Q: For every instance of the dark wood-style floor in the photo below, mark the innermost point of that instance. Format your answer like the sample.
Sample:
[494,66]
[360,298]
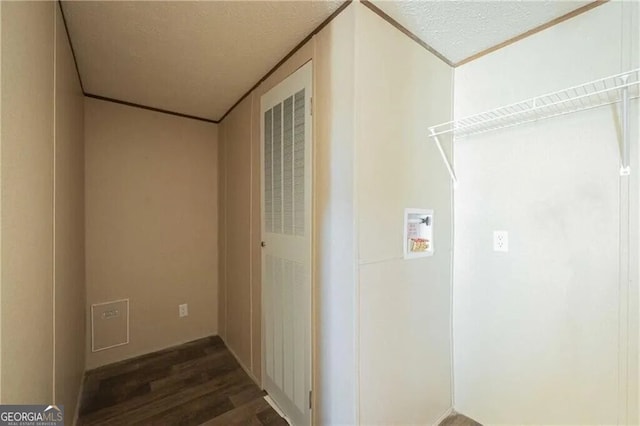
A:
[191,384]
[459,420]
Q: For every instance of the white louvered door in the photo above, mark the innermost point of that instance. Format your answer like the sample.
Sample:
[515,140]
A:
[286,235]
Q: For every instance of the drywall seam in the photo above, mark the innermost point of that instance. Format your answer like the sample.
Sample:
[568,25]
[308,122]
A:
[0,201]
[222,176]
[226,238]
[251,233]
[623,300]
[53,204]
[363,262]
[76,414]
[314,240]
[256,105]
[624,292]
[452,252]
[354,189]
[634,50]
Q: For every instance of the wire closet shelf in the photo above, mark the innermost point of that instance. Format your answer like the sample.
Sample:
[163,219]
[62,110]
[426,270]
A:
[604,91]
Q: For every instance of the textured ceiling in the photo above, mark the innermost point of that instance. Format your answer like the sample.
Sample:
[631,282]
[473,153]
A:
[199,57]
[459,29]
[195,58]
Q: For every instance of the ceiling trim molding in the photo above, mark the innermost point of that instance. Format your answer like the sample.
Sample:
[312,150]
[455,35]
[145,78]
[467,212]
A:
[73,52]
[324,23]
[369,5]
[533,31]
[149,108]
[119,101]
[405,31]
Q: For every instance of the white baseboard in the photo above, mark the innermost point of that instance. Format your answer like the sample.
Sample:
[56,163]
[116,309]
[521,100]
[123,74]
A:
[444,415]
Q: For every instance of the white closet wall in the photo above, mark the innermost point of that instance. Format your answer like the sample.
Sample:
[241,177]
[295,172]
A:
[404,305]
[547,333]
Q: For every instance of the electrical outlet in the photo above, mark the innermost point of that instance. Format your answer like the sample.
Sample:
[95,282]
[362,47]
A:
[500,241]
[183,310]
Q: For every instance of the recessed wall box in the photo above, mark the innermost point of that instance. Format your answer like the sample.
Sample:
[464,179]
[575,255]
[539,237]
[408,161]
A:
[418,233]
[109,324]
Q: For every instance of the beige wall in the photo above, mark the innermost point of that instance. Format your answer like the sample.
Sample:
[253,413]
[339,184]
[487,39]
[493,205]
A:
[239,134]
[1,138]
[240,291]
[69,278]
[235,132]
[222,234]
[42,281]
[240,189]
[554,316]
[404,305]
[335,245]
[151,224]
[27,208]
[355,134]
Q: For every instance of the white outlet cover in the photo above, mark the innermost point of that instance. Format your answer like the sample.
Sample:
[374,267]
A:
[501,241]
[183,310]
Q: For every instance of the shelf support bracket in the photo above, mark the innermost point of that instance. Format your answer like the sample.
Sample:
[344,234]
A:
[625,168]
[444,158]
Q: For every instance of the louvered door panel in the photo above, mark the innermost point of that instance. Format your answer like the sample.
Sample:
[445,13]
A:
[284,166]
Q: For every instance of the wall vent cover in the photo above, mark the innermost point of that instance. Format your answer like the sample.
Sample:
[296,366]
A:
[109,324]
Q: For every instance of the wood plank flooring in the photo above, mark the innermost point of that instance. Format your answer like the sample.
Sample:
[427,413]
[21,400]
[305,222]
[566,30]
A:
[192,384]
[459,420]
